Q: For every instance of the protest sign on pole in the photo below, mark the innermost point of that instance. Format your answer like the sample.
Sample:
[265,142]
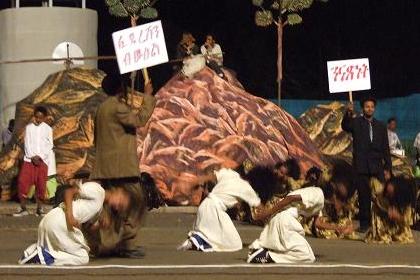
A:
[140,47]
[348,75]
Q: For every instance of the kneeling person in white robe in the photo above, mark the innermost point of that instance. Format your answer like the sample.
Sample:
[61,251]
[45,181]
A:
[213,229]
[60,240]
[283,237]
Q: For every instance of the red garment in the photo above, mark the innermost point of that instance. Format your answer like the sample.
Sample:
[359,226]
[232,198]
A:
[31,174]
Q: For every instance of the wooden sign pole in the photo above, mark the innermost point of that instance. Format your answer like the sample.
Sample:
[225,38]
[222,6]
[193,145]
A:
[351,96]
[145,76]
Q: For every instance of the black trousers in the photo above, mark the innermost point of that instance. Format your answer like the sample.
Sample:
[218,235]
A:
[215,67]
[365,196]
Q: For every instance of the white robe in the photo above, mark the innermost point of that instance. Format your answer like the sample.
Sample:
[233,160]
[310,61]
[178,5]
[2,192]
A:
[284,236]
[212,223]
[69,247]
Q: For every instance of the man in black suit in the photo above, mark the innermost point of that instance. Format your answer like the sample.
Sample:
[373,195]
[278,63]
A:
[371,155]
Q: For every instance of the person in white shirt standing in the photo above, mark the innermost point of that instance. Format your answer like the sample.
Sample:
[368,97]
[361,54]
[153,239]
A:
[416,145]
[395,146]
[214,55]
[38,143]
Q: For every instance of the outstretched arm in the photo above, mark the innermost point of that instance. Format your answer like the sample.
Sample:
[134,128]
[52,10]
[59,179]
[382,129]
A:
[321,224]
[347,122]
[262,213]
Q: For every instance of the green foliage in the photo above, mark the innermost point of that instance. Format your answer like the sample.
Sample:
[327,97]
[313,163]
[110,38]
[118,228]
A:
[283,8]
[118,10]
[132,6]
[294,19]
[296,5]
[126,8]
[263,18]
[258,3]
[111,2]
[275,5]
[149,13]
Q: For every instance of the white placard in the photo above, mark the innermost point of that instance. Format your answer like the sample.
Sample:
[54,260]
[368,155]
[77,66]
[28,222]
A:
[348,75]
[140,47]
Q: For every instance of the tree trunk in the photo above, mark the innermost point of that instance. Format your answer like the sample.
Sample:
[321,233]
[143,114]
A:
[279,58]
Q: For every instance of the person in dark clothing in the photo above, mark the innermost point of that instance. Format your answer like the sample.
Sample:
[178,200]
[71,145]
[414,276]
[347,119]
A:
[371,155]
[185,48]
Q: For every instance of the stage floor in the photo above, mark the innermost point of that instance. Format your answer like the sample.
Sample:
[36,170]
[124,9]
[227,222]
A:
[162,232]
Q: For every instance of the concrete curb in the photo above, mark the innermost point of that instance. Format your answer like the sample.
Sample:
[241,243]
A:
[8,208]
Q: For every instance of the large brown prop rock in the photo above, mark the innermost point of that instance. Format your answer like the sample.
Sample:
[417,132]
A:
[71,97]
[204,123]
[323,124]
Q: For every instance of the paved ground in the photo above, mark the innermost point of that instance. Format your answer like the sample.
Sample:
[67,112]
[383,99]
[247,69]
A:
[165,229]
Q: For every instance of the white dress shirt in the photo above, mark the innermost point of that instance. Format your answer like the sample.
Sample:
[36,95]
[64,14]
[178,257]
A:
[38,142]
[394,141]
[417,142]
[215,53]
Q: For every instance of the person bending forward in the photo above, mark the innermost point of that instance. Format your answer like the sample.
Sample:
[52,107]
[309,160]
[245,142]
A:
[60,241]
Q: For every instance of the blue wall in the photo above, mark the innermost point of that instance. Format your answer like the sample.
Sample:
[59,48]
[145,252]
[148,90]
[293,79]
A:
[405,109]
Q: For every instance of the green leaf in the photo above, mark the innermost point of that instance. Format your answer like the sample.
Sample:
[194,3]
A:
[294,19]
[132,6]
[111,3]
[143,3]
[118,10]
[275,5]
[296,5]
[258,3]
[263,18]
[149,13]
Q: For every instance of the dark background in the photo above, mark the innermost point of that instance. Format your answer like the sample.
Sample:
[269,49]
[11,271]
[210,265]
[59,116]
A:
[385,31]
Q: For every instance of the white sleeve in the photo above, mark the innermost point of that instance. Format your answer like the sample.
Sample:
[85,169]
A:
[47,143]
[90,203]
[27,143]
[312,200]
[225,173]
[218,50]
[398,140]
[91,191]
[417,142]
[203,50]
[254,200]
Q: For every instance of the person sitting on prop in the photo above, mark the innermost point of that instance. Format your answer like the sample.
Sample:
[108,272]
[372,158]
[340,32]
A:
[283,237]
[213,230]
[61,240]
[186,48]
[213,54]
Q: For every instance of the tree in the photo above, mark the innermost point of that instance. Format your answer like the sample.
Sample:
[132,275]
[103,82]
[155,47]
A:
[134,9]
[280,13]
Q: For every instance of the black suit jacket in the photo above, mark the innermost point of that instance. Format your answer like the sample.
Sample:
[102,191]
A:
[368,157]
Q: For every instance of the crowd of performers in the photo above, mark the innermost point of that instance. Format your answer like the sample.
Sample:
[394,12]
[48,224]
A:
[99,214]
